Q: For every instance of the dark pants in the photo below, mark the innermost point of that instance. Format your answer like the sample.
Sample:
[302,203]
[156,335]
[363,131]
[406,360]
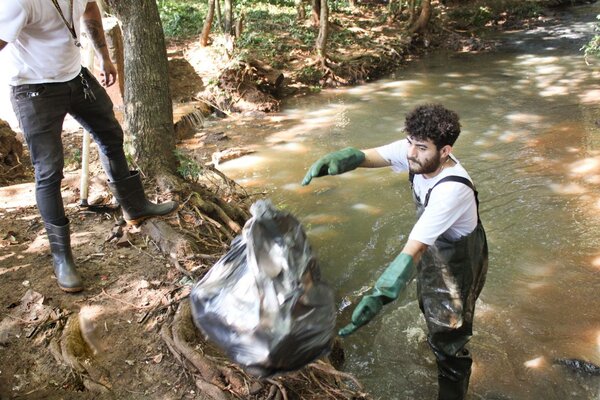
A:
[41,110]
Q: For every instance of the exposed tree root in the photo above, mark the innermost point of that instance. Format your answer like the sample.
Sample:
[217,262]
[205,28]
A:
[72,351]
[213,210]
[318,380]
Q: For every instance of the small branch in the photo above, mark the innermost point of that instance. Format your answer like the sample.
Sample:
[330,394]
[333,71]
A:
[280,387]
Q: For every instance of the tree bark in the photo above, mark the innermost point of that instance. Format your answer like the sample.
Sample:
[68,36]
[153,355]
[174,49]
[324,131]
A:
[102,6]
[424,18]
[300,9]
[148,106]
[239,26]
[321,44]
[219,15]
[228,17]
[316,12]
[207,23]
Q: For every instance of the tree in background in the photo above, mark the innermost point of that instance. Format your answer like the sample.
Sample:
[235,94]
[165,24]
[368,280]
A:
[149,112]
[321,43]
[207,23]
[315,13]
[421,24]
[228,16]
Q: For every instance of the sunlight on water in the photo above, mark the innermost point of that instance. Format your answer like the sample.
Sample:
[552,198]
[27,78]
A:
[536,362]
[590,96]
[524,118]
[555,90]
[369,209]
[531,141]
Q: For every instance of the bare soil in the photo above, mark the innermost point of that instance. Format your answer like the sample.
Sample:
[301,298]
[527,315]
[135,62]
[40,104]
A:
[129,333]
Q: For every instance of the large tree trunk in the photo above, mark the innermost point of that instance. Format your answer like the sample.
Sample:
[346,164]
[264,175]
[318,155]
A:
[207,23]
[424,18]
[149,118]
[315,12]
[321,44]
[148,107]
[219,15]
[228,17]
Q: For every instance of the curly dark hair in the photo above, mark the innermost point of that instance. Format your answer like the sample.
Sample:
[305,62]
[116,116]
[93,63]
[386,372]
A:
[435,122]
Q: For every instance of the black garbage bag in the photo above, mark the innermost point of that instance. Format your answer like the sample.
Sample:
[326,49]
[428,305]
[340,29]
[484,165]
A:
[263,303]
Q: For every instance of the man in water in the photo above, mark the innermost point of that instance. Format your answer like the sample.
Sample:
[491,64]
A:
[447,247]
[47,83]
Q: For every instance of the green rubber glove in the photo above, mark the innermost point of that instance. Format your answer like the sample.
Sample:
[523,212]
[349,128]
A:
[388,287]
[335,163]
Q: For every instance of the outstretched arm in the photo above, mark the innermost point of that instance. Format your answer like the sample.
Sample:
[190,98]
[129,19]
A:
[390,285]
[92,20]
[344,160]
[373,160]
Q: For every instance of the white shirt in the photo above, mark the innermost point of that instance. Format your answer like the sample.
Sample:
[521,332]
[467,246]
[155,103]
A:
[41,48]
[451,211]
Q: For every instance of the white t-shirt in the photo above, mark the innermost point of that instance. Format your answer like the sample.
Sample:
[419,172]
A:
[41,48]
[451,211]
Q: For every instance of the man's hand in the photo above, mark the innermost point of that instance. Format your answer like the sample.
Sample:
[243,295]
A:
[388,287]
[92,19]
[335,163]
[108,73]
[368,307]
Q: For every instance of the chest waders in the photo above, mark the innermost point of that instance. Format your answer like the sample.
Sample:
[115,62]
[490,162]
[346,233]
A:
[450,276]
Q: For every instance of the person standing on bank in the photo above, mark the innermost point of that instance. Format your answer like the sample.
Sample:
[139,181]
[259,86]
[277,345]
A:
[447,247]
[47,83]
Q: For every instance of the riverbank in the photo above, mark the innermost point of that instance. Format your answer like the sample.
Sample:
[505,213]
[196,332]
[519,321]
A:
[275,57]
[219,88]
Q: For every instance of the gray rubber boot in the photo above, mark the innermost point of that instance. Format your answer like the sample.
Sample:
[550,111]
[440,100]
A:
[65,270]
[130,194]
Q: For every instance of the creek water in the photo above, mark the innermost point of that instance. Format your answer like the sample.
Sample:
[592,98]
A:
[530,139]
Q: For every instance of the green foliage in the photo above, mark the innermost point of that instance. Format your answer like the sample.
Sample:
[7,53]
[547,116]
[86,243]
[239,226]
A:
[342,38]
[480,16]
[73,160]
[262,23]
[525,9]
[309,74]
[306,36]
[188,168]
[484,12]
[266,3]
[181,17]
[592,48]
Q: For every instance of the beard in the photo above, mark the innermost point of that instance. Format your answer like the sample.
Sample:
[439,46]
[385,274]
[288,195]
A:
[428,166]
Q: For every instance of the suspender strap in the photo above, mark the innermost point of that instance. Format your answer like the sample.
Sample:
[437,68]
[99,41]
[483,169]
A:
[459,179]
